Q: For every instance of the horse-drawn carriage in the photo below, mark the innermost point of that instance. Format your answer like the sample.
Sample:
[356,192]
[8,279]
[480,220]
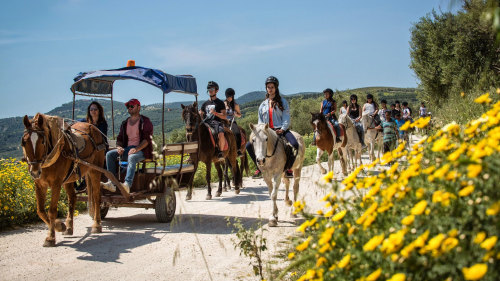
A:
[154,182]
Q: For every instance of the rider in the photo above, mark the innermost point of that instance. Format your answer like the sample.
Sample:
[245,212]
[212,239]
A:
[423,110]
[275,112]
[343,108]
[354,113]
[328,108]
[370,108]
[381,111]
[214,111]
[134,141]
[233,111]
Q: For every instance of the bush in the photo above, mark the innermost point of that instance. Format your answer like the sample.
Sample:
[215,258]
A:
[434,216]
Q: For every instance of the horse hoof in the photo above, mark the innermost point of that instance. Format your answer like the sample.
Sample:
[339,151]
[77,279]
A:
[68,231]
[236,191]
[289,202]
[323,171]
[49,243]
[273,223]
[60,226]
[188,197]
[225,189]
[218,194]
[96,229]
[209,197]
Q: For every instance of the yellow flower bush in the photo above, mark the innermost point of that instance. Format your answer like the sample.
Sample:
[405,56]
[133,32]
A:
[433,215]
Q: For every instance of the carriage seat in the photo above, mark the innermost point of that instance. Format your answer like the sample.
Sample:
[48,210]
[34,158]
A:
[170,170]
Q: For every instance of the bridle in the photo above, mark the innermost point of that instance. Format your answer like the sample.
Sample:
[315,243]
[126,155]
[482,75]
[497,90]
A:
[29,132]
[191,128]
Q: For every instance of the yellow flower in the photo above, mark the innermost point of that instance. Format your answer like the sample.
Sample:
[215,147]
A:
[374,275]
[489,243]
[419,193]
[422,122]
[328,177]
[408,220]
[493,209]
[479,237]
[419,208]
[453,233]
[405,126]
[373,243]
[453,128]
[454,156]
[473,170]
[483,99]
[441,144]
[345,261]
[435,242]
[397,277]
[301,247]
[291,255]
[393,242]
[326,236]
[320,261]
[475,272]
[339,215]
[449,243]
[466,191]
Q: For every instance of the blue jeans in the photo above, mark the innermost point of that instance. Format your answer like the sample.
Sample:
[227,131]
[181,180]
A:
[133,159]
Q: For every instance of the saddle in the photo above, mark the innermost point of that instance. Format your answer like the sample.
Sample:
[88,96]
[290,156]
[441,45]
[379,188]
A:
[215,138]
[342,129]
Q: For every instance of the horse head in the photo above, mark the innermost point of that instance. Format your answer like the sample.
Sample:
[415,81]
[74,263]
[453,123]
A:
[318,122]
[191,118]
[34,143]
[366,120]
[261,135]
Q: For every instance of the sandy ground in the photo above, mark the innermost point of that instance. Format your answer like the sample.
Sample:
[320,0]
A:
[197,245]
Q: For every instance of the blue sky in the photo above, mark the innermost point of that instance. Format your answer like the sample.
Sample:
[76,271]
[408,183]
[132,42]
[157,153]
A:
[308,45]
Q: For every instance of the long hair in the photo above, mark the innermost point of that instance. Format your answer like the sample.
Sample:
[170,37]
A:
[230,103]
[356,103]
[276,100]
[101,113]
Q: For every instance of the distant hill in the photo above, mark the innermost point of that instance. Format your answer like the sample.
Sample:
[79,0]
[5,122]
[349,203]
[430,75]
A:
[11,129]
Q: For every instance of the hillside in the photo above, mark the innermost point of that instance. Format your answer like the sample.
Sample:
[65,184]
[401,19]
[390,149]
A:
[11,128]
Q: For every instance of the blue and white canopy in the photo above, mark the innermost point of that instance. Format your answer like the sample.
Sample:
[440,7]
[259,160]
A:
[100,83]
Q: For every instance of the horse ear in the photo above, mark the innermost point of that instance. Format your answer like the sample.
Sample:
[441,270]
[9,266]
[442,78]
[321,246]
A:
[26,122]
[252,127]
[39,120]
[183,106]
[266,127]
[195,104]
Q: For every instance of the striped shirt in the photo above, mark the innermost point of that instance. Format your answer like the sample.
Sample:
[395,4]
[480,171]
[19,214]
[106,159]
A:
[390,130]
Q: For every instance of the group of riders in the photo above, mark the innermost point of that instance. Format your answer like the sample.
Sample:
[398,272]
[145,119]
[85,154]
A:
[134,139]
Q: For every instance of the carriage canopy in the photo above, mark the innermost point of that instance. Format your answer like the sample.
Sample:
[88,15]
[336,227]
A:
[100,83]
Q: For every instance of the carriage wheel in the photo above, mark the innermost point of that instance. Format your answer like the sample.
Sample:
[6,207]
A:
[165,204]
[104,210]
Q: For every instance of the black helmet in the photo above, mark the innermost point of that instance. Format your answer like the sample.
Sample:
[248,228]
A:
[274,80]
[230,92]
[328,90]
[354,97]
[212,84]
[369,96]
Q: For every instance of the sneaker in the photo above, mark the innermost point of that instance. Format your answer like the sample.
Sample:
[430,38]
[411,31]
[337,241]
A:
[239,153]
[337,139]
[109,186]
[220,155]
[257,174]
[288,174]
[126,186]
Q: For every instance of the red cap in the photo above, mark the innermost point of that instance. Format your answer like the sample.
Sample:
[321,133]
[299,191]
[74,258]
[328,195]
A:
[133,102]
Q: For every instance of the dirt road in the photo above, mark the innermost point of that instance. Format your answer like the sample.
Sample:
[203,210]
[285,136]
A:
[197,245]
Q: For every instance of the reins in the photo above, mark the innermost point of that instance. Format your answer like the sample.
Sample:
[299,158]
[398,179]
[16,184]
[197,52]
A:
[278,139]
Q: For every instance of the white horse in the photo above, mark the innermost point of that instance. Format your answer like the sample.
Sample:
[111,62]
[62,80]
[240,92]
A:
[372,136]
[270,155]
[353,141]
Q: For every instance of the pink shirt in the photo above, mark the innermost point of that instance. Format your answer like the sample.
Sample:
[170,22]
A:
[133,133]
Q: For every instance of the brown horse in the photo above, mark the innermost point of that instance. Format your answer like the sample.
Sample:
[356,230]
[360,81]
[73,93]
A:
[243,160]
[197,130]
[325,141]
[50,151]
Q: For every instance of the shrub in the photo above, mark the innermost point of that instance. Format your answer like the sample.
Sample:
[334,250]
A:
[434,216]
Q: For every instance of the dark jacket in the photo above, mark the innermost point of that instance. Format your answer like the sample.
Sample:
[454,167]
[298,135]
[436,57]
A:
[145,133]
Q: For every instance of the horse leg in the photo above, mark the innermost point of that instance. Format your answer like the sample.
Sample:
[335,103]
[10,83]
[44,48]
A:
[93,178]
[343,163]
[221,178]
[273,220]
[286,182]
[296,180]
[319,152]
[70,191]
[50,241]
[41,196]
[331,162]
[237,175]
[227,182]
[207,178]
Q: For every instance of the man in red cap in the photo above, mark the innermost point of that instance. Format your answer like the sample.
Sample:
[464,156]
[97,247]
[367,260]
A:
[133,142]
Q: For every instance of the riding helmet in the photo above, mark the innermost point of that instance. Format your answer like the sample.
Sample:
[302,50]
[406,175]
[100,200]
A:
[274,80]
[230,92]
[212,84]
[328,90]
[369,96]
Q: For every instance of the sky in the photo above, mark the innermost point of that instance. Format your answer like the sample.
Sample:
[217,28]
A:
[307,45]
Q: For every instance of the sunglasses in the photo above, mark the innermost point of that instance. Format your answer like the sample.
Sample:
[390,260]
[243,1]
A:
[211,90]
[131,106]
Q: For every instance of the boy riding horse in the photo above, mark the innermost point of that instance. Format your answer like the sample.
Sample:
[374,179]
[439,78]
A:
[213,112]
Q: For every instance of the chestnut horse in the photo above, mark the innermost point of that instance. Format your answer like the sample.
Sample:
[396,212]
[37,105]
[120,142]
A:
[50,150]
[325,141]
[197,130]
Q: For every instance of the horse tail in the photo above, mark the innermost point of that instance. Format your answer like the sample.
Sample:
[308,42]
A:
[244,165]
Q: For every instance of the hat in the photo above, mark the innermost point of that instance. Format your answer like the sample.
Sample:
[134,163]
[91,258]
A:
[133,102]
